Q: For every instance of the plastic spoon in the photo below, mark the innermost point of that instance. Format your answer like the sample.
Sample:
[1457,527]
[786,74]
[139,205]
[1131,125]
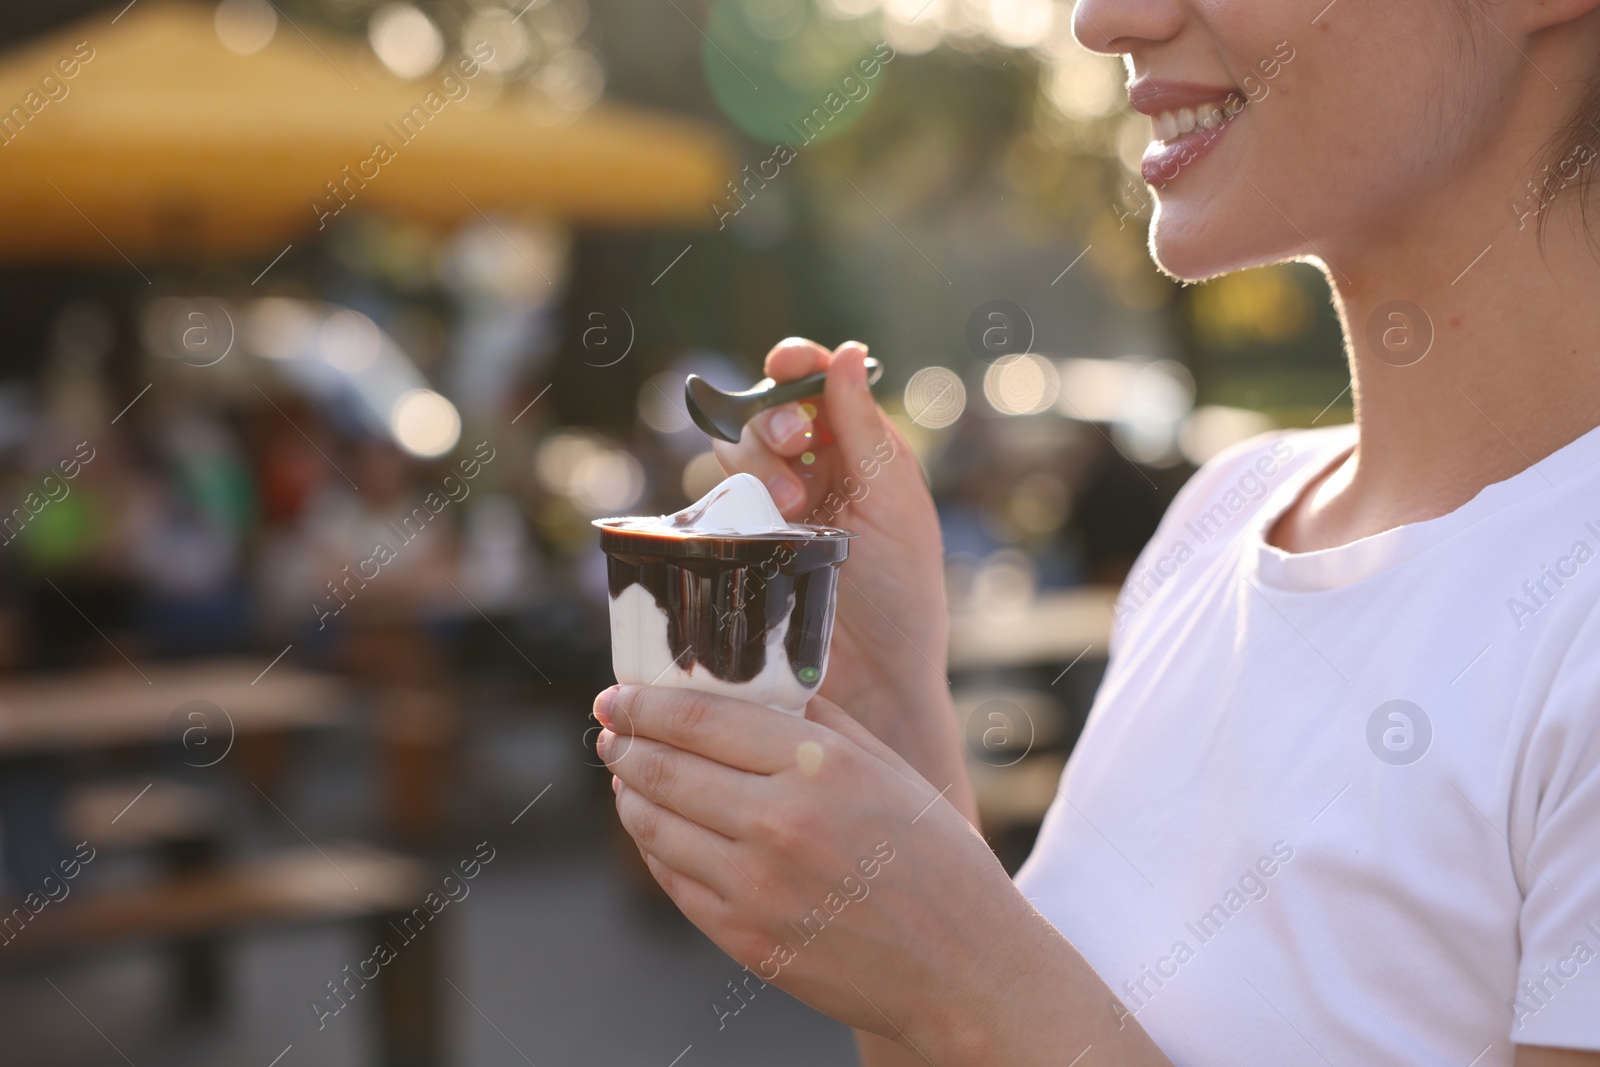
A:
[723,415]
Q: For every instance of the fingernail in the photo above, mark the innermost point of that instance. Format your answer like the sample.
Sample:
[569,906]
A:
[616,785]
[602,705]
[786,491]
[603,742]
[783,423]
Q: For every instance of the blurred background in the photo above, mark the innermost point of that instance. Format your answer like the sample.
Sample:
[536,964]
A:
[282,281]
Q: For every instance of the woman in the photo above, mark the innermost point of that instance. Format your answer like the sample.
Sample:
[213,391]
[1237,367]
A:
[1339,798]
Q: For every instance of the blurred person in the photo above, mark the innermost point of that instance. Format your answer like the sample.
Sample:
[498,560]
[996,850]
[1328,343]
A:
[344,526]
[323,565]
[1339,797]
[377,566]
[189,519]
[73,542]
[499,566]
[62,534]
[292,469]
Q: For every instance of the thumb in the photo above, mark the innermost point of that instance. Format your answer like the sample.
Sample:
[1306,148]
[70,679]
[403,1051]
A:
[853,417]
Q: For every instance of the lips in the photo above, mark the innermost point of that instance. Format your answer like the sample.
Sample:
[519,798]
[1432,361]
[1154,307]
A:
[1187,120]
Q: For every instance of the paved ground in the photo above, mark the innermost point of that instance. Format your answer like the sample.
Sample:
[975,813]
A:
[558,960]
[555,967]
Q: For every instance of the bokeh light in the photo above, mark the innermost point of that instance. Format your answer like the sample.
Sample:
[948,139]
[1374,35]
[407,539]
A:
[1159,395]
[775,20]
[597,477]
[349,340]
[1162,391]
[606,482]
[849,9]
[935,397]
[513,258]
[279,328]
[560,454]
[245,27]
[660,404]
[1022,384]
[1211,428]
[501,30]
[1094,390]
[1021,23]
[405,39]
[783,76]
[572,79]
[1083,86]
[424,423]
[701,475]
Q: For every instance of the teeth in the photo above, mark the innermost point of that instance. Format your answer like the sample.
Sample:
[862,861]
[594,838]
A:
[1169,125]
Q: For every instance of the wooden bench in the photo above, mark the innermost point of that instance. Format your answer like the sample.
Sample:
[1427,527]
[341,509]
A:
[337,882]
[132,813]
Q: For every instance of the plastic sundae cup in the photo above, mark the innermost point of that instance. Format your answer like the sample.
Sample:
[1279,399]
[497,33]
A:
[725,597]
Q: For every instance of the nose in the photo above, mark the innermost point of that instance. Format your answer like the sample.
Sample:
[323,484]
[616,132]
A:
[1113,27]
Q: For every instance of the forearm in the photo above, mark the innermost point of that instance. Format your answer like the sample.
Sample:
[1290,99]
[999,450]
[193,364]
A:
[1059,1012]
[1032,1001]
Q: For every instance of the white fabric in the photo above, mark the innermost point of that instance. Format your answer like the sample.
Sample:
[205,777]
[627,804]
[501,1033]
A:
[1363,910]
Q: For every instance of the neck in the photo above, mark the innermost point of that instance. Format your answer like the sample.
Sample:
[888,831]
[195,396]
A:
[1511,374]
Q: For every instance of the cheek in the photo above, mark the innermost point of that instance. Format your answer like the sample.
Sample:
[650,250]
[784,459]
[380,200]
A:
[1323,177]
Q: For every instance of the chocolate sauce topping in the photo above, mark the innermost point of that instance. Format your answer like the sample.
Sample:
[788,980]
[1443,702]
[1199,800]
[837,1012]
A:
[723,595]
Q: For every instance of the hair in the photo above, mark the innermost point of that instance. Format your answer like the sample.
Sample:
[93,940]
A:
[1581,131]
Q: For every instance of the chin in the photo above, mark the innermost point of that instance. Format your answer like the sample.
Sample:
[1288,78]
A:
[1195,241]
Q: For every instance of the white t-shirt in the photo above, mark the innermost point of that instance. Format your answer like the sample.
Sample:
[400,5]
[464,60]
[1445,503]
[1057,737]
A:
[1343,807]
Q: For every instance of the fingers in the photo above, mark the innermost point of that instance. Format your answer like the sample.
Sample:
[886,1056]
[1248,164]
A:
[698,903]
[702,790]
[782,433]
[786,429]
[853,416]
[744,736]
[776,437]
[795,357]
[678,843]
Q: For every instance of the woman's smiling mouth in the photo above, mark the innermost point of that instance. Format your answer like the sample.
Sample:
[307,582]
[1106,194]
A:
[1170,125]
[1186,121]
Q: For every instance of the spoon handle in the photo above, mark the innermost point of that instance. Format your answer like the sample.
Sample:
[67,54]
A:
[810,385]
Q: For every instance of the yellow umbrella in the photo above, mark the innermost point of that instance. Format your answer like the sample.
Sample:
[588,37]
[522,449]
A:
[142,135]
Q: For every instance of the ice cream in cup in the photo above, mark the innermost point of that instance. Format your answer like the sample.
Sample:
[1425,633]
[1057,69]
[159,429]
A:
[726,596]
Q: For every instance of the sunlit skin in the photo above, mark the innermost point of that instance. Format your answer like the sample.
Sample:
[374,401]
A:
[1388,151]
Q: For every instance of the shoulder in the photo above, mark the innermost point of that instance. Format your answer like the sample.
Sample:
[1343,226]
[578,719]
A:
[1246,473]
[1217,503]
